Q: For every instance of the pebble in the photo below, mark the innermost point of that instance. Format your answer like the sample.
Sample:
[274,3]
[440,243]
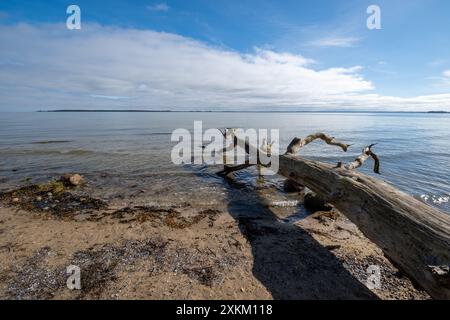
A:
[76,179]
[15,199]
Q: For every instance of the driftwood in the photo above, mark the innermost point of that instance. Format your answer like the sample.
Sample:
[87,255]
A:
[359,161]
[298,143]
[249,149]
[412,234]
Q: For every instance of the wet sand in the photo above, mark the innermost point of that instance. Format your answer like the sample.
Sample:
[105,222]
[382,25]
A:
[187,252]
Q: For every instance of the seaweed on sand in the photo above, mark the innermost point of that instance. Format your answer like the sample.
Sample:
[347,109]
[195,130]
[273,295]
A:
[168,216]
[54,197]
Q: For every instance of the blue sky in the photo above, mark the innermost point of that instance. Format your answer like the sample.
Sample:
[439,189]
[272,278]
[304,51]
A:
[306,47]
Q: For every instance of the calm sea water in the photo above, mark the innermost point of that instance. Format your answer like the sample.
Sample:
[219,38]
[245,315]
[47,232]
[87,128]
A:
[128,154]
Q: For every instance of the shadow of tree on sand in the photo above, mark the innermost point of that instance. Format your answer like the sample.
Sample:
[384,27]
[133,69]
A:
[288,261]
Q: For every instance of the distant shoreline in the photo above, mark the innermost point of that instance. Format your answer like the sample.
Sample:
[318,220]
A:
[438,112]
[229,111]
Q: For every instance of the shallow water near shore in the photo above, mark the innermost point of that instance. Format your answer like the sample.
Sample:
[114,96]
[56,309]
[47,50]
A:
[128,154]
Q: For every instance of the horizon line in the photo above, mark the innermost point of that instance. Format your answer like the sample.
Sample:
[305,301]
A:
[230,111]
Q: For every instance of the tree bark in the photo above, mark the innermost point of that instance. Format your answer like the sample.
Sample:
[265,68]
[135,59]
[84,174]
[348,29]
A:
[412,234]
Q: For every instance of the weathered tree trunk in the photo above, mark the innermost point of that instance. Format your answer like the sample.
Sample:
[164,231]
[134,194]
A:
[415,236]
[412,234]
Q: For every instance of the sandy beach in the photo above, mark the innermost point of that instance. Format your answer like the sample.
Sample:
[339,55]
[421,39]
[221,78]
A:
[182,252]
[225,151]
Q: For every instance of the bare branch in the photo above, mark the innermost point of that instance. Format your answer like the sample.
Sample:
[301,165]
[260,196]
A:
[248,150]
[226,148]
[359,161]
[298,143]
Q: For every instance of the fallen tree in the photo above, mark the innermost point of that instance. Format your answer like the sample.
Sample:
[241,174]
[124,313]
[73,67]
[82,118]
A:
[412,234]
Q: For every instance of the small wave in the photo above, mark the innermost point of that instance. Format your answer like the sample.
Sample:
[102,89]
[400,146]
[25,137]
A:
[414,154]
[155,134]
[435,198]
[78,152]
[40,152]
[51,142]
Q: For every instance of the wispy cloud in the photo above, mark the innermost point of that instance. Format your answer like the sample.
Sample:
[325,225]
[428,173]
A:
[159,7]
[443,81]
[343,42]
[108,97]
[110,67]
[382,67]
[437,63]
[11,63]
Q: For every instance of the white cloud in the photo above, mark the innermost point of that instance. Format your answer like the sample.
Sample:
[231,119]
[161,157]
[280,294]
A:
[343,42]
[108,97]
[105,67]
[159,7]
[446,73]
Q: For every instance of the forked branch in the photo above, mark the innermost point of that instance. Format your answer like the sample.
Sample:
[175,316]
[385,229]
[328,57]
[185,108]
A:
[265,148]
[359,161]
[298,143]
